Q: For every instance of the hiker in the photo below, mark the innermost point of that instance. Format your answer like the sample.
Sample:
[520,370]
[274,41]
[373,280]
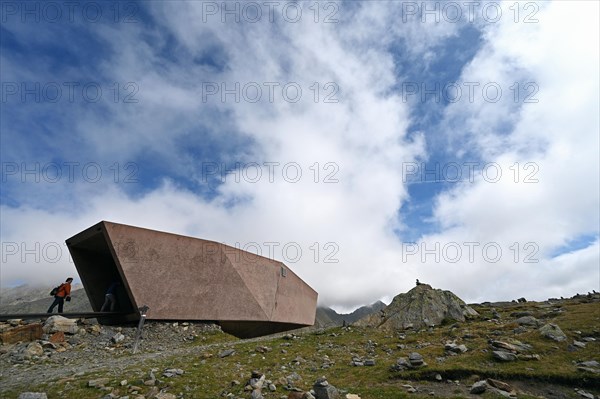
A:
[110,299]
[418,282]
[63,292]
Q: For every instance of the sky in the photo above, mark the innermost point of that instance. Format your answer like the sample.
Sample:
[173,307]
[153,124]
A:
[363,143]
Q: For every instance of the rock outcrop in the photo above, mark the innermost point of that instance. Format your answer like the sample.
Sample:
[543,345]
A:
[420,307]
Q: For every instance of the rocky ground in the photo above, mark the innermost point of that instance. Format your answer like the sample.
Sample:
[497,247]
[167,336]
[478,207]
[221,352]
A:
[549,349]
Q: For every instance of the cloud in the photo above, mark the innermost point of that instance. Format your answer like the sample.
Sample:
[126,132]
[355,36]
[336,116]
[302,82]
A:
[343,210]
[548,192]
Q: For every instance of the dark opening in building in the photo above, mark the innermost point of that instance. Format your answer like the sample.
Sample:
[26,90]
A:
[94,258]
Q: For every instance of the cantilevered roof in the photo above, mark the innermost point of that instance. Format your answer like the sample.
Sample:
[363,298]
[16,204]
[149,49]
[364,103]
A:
[186,278]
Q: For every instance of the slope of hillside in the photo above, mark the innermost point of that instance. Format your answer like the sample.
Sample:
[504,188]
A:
[181,360]
[26,299]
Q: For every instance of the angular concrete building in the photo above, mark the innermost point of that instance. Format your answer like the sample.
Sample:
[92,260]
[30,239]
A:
[185,278]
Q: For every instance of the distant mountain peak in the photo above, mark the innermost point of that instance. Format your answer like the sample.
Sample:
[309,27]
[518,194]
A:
[328,317]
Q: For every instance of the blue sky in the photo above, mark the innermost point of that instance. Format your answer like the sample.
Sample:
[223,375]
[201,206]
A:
[309,124]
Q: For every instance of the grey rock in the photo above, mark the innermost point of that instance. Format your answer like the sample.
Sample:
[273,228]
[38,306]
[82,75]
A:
[369,362]
[514,346]
[117,338]
[324,390]
[552,331]
[257,382]
[263,349]
[452,347]
[584,394]
[479,387]
[321,382]
[226,352]
[168,373]
[504,356]
[579,344]
[589,363]
[292,378]
[415,359]
[528,321]
[33,349]
[401,364]
[59,323]
[33,395]
[98,382]
[462,348]
[48,345]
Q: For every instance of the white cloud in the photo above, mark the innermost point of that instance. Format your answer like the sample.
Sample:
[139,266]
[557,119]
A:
[364,135]
[558,136]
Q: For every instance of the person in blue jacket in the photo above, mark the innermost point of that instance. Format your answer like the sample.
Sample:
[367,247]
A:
[110,299]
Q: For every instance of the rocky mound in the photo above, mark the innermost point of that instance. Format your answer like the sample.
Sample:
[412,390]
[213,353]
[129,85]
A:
[420,307]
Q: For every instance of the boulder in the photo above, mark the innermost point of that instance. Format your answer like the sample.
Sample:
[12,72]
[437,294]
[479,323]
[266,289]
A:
[26,333]
[453,347]
[552,331]
[479,387]
[33,349]
[226,352]
[513,346]
[59,323]
[117,338]
[504,356]
[415,359]
[33,395]
[324,390]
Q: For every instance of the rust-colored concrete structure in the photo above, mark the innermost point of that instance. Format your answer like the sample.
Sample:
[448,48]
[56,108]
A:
[185,278]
